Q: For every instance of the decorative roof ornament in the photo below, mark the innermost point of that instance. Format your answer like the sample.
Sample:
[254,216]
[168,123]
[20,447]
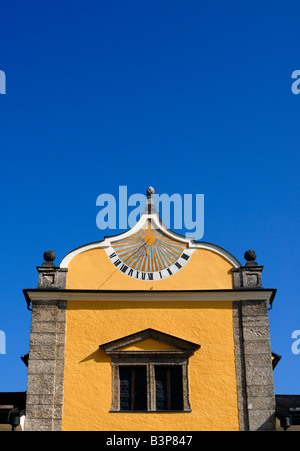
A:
[150,205]
[250,256]
[49,257]
[150,192]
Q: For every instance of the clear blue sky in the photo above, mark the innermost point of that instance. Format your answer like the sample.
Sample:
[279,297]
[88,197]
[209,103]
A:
[190,97]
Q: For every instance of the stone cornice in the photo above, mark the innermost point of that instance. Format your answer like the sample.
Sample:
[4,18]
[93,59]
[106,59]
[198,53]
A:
[244,294]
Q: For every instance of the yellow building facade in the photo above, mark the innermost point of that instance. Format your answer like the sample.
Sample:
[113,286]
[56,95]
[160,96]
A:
[150,331]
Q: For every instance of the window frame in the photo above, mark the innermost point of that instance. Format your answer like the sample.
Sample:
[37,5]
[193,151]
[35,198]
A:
[150,362]
[178,356]
[169,373]
[132,369]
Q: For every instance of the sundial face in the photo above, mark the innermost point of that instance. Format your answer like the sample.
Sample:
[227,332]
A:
[149,254]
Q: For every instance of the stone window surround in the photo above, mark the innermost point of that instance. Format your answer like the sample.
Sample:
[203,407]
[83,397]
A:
[179,356]
[150,361]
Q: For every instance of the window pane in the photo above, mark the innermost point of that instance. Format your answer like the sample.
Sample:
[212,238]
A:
[133,387]
[125,388]
[161,385]
[169,390]
[176,388]
[140,388]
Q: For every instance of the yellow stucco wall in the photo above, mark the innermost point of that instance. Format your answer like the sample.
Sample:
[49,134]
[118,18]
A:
[93,270]
[88,372]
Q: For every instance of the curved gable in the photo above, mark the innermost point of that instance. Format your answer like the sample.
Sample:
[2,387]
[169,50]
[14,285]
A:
[149,256]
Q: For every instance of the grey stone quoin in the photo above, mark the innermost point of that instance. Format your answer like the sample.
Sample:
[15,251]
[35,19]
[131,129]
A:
[44,400]
[256,397]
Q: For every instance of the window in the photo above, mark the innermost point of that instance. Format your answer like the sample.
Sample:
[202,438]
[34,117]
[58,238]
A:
[168,388]
[150,380]
[133,388]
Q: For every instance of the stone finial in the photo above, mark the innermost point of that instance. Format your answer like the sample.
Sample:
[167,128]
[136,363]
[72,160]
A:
[250,256]
[248,276]
[49,257]
[150,206]
[51,276]
[150,192]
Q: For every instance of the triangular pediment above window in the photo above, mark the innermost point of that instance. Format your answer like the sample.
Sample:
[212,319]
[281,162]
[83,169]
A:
[150,340]
[149,345]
